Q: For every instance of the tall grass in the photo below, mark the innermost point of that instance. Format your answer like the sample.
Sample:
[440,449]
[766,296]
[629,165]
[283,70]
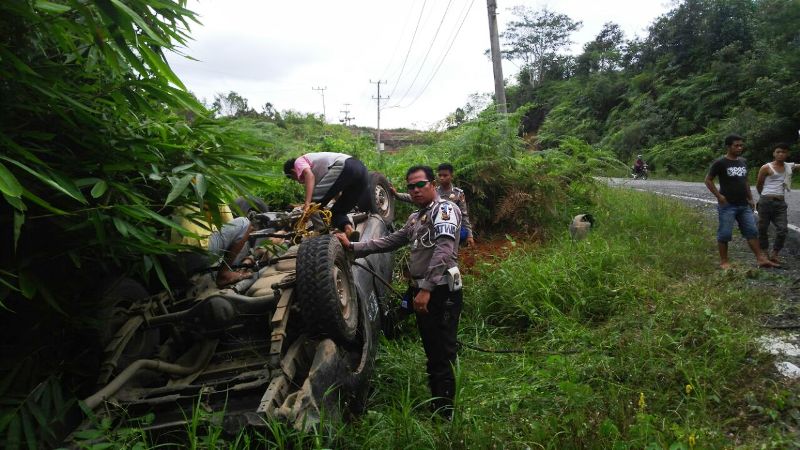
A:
[631,339]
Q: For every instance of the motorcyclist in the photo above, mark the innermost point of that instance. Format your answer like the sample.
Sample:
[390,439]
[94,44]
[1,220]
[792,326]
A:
[639,166]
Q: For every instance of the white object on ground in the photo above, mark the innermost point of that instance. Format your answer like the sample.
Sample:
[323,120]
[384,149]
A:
[777,346]
[788,369]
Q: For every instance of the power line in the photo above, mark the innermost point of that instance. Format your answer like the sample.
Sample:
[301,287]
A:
[379,98]
[322,91]
[399,39]
[441,61]
[346,120]
[422,64]
[410,46]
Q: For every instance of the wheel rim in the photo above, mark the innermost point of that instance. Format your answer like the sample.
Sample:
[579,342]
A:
[382,200]
[343,292]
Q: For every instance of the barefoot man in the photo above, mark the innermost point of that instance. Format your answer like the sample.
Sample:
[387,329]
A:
[735,201]
[773,183]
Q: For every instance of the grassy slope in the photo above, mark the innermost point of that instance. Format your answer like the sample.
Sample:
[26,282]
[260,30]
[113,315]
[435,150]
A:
[632,338]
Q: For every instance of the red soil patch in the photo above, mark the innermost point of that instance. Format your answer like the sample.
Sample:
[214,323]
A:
[494,249]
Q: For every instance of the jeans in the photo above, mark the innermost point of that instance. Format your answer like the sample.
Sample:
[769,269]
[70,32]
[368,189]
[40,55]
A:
[743,215]
[772,210]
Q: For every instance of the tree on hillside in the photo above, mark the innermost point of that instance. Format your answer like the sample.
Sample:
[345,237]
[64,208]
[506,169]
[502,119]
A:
[687,36]
[604,53]
[269,112]
[231,105]
[535,39]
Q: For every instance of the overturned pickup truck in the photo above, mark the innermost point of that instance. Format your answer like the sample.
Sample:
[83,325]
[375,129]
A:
[297,338]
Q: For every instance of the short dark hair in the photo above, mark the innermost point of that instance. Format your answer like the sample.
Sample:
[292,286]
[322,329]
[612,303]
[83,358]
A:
[288,167]
[428,171]
[782,146]
[445,166]
[731,138]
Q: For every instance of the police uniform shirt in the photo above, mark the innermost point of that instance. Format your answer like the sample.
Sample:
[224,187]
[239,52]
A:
[458,197]
[433,233]
[455,195]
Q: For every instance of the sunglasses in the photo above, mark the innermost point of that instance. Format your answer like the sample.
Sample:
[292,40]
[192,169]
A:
[418,185]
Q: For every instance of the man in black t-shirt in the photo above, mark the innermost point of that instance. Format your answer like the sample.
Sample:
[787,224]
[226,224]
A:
[735,201]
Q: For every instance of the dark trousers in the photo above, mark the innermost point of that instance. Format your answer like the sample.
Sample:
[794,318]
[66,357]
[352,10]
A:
[353,183]
[772,210]
[438,330]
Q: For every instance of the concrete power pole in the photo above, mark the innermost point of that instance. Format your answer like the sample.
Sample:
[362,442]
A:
[322,91]
[499,89]
[347,118]
[379,98]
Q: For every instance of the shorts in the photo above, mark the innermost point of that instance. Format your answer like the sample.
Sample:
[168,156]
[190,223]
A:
[743,215]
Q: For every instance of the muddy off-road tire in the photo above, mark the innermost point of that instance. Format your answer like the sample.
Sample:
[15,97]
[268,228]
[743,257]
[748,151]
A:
[325,289]
[115,298]
[381,200]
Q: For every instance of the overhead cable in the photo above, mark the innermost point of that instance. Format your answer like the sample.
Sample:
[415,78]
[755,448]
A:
[410,46]
[441,61]
[424,59]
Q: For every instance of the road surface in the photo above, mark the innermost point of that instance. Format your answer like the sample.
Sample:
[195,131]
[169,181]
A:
[698,192]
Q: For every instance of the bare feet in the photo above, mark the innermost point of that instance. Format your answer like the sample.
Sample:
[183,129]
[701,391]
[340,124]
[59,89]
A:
[224,278]
[774,258]
[725,265]
[765,263]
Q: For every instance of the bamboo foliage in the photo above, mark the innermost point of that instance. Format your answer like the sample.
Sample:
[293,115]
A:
[100,141]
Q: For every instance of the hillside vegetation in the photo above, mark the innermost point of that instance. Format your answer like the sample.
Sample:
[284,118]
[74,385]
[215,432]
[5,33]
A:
[705,69]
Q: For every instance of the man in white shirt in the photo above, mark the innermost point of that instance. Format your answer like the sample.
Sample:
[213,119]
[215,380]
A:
[773,184]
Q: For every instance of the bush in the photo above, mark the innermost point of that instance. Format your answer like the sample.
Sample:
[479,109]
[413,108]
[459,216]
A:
[686,154]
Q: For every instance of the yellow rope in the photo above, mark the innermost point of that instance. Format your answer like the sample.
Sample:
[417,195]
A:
[300,228]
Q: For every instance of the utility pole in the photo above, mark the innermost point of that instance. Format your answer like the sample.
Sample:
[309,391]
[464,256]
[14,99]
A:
[322,91]
[379,98]
[499,90]
[347,118]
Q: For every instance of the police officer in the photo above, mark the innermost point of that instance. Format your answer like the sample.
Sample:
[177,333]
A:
[447,191]
[433,233]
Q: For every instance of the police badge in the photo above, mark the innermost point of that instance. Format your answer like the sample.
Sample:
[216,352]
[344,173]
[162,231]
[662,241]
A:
[446,222]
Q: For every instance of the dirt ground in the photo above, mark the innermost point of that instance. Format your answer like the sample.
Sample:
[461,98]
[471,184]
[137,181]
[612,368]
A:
[491,248]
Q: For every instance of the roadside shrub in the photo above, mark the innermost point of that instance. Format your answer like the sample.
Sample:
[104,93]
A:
[686,154]
[593,279]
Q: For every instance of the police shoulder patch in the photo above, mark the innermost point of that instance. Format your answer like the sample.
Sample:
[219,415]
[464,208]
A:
[445,220]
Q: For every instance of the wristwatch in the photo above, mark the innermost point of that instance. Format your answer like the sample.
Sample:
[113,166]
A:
[351,247]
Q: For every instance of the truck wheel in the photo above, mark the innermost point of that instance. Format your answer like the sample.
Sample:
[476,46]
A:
[357,383]
[115,299]
[326,290]
[381,199]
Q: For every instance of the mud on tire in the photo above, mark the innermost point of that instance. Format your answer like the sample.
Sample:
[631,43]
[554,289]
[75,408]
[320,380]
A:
[326,290]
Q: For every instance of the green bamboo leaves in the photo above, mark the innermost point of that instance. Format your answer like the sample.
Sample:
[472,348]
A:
[8,183]
[100,141]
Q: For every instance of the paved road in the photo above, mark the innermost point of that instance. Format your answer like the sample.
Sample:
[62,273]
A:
[698,192]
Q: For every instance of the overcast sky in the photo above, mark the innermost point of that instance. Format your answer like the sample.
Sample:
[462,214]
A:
[277,51]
